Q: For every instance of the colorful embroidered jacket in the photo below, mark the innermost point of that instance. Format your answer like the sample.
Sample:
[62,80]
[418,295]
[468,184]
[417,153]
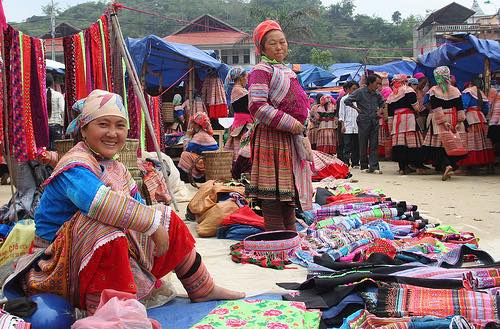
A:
[402,107]
[473,113]
[76,185]
[276,98]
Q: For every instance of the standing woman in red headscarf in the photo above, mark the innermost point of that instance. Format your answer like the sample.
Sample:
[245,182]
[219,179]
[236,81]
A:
[326,138]
[280,174]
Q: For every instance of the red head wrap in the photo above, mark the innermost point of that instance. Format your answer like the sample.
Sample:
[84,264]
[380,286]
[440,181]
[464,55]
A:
[261,30]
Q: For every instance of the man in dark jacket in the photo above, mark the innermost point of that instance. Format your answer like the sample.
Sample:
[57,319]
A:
[368,102]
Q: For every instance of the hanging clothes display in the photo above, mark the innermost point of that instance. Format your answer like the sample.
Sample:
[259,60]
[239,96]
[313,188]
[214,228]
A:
[214,97]
[26,94]
[88,60]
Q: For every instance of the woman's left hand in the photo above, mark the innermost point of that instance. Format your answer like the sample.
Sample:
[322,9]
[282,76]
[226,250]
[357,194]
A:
[161,240]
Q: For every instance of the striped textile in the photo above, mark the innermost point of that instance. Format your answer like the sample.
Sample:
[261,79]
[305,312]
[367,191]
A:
[326,140]
[272,176]
[411,139]
[476,307]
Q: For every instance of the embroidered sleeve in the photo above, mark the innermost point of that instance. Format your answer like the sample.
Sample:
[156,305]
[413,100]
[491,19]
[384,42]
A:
[261,109]
[123,211]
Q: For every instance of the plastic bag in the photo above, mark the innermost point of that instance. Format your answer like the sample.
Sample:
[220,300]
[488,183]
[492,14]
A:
[118,310]
[18,241]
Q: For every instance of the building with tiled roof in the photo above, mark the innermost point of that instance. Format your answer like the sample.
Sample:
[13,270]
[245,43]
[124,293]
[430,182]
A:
[231,45]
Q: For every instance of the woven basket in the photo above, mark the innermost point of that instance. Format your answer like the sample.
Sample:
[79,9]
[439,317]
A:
[167,109]
[63,146]
[218,164]
[128,156]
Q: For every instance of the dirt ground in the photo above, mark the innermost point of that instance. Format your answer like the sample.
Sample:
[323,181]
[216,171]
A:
[469,203]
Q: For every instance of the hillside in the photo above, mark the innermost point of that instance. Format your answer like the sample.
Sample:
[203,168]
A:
[303,20]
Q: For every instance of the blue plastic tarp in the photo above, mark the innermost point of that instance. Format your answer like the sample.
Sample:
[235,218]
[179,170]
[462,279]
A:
[465,59]
[166,62]
[315,76]
[396,67]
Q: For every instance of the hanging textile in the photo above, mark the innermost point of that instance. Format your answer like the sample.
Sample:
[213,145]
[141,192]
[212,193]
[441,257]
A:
[39,114]
[89,64]
[214,97]
[154,113]
[26,95]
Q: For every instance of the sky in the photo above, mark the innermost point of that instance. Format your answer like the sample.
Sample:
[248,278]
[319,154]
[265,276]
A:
[19,10]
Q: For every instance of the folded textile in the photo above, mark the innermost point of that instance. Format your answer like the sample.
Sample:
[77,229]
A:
[270,314]
[237,232]
[244,216]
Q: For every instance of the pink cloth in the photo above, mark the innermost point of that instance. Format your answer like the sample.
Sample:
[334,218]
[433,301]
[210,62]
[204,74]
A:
[386,91]
[241,119]
[118,310]
[419,75]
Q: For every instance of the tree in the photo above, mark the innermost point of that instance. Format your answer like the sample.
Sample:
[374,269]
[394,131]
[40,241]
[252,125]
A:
[343,9]
[396,17]
[47,9]
[322,58]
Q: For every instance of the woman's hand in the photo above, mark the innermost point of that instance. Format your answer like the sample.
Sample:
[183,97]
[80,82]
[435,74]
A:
[447,126]
[161,240]
[298,129]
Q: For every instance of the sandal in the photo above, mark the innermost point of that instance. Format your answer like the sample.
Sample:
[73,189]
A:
[447,173]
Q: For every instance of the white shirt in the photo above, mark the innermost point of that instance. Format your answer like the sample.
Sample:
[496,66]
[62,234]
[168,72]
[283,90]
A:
[348,117]
[57,116]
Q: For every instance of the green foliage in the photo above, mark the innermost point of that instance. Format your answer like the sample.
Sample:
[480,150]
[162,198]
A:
[304,21]
[322,58]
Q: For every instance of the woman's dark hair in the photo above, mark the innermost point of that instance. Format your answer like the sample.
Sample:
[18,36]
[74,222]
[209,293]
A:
[478,83]
[371,79]
[49,82]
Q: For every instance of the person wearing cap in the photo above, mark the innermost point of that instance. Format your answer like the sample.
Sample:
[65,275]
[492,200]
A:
[97,232]
[280,174]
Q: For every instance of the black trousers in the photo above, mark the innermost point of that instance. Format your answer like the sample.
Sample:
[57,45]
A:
[55,133]
[351,149]
[368,139]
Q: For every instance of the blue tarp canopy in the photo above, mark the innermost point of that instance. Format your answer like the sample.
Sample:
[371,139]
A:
[465,58]
[315,76]
[396,67]
[166,62]
[346,72]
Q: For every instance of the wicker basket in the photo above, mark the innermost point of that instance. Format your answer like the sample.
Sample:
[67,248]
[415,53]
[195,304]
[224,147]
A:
[167,109]
[128,156]
[63,146]
[218,164]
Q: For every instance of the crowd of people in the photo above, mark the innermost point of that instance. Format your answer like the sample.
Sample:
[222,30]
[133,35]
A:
[418,122]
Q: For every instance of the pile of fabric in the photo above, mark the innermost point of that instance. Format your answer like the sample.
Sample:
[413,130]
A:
[373,261]
[220,209]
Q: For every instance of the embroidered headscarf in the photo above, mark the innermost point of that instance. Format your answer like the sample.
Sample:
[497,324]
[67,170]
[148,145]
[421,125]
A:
[261,30]
[237,91]
[326,99]
[413,81]
[177,99]
[202,120]
[234,74]
[99,103]
[442,75]
[397,81]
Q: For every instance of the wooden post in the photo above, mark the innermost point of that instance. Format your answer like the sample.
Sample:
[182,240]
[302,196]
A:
[487,75]
[134,78]
[7,156]
[191,85]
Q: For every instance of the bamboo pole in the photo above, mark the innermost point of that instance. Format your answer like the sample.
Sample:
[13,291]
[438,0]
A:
[6,145]
[487,75]
[139,92]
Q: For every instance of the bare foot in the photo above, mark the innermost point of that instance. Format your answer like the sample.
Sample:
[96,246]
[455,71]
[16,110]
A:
[219,293]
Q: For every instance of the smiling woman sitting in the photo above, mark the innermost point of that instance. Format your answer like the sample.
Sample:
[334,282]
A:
[98,233]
